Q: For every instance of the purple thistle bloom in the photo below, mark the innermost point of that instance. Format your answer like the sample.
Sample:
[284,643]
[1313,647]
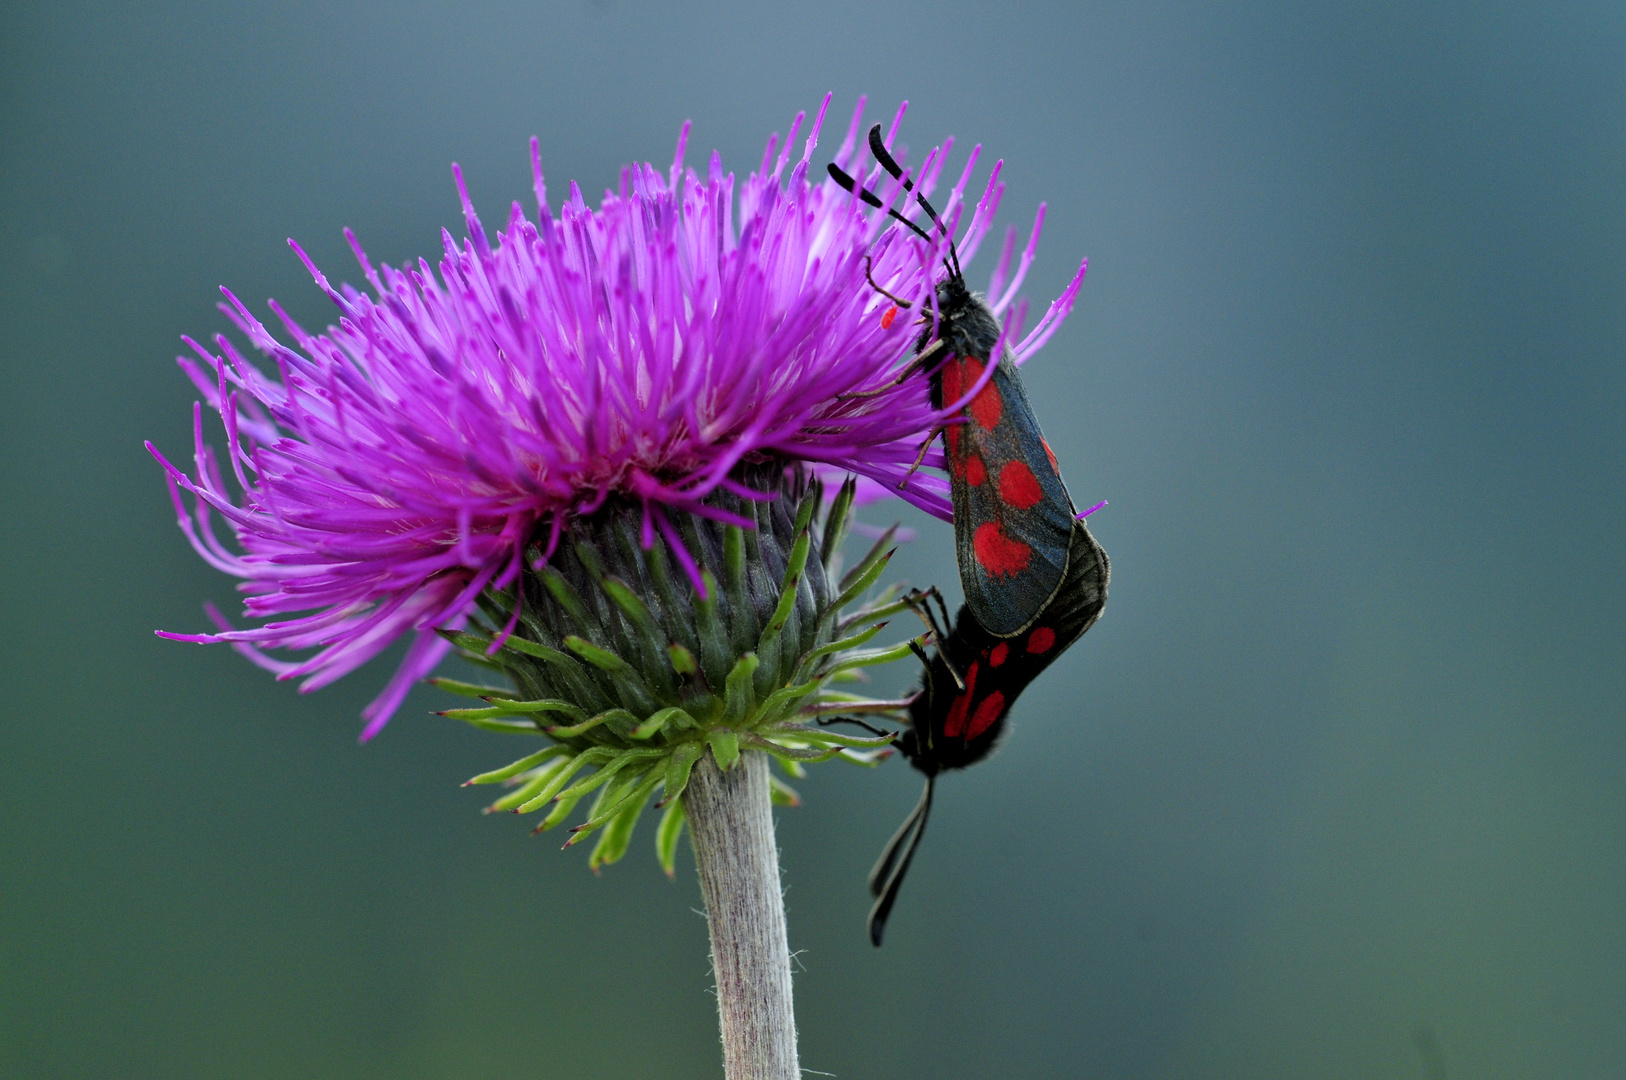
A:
[400,463]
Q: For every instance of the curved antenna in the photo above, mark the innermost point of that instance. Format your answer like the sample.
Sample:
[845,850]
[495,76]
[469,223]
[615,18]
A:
[869,199]
[882,155]
[887,877]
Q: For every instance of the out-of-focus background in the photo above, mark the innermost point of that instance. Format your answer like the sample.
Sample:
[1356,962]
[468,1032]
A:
[1337,788]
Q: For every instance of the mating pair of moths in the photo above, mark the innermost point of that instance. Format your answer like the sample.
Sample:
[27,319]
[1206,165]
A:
[1034,578]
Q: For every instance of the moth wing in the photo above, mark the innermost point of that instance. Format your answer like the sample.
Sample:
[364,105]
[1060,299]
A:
[1013,518]
[1084,593]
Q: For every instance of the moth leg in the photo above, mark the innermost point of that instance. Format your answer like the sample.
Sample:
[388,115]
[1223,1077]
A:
[909,370]
[942,607]
[932,349]
[918,603]
[917,599]
[920,457]
[914,366]
[867,267]
[871,728]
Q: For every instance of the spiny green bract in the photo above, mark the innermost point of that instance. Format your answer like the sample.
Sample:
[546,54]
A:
[632,675]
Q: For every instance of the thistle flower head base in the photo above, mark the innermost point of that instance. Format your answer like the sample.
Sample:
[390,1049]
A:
[633,669]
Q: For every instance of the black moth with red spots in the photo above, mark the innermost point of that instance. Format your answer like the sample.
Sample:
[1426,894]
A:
[1013,518]
[1034,577]
[954,725]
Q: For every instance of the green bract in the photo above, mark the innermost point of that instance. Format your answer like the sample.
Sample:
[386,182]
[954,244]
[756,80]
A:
[631,674]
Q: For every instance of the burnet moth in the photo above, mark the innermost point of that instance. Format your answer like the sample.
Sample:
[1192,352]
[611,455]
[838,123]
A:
[1034,578]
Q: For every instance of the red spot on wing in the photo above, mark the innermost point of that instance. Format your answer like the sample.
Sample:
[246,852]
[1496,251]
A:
[1041,640]
[1049,453]
[954,723]
[959,376]
[986,407]
[975,471]
[999,554]
[996,657]
[1018,486]
[951,435]
[955,383]
[886,320]
[987,712]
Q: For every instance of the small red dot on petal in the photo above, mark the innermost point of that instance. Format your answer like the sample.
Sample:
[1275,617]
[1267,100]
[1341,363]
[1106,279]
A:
[886,320]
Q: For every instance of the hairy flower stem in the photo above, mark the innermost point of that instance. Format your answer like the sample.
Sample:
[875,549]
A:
[731,828]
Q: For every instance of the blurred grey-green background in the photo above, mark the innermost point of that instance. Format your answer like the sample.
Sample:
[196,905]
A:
[1337,789]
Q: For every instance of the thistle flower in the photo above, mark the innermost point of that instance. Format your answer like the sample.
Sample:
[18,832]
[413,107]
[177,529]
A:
[400,463]
[621,368]
[590,453]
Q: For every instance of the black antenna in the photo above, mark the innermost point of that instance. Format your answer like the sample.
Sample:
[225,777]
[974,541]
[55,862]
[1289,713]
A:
[869,199]
[878,148]
[887,876]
